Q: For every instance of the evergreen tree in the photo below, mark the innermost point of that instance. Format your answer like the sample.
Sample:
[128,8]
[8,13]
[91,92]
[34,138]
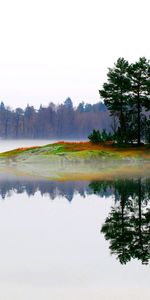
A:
[95,137]
[68,103]
[139,96]
[115,93]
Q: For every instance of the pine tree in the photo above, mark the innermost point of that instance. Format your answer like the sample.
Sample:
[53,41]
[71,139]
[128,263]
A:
[115,93]
[139,96]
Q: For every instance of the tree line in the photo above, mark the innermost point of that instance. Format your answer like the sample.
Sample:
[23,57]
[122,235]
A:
[54,121]
[127,96]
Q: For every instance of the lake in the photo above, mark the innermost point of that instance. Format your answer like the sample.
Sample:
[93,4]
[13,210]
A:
[55,239]
[73,240]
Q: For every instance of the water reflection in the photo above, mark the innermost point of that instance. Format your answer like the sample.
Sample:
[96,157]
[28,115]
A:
[127,226]
[52,188]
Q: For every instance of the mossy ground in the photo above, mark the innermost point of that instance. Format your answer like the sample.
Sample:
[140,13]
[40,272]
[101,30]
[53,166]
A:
[81,150]
[77,161]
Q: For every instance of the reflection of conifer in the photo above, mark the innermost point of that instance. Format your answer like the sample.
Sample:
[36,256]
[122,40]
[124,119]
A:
[140,222]
[117,229]
[128,225]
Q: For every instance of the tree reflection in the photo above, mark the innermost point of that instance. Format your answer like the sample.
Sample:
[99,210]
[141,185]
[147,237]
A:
[127,226]
[51,188]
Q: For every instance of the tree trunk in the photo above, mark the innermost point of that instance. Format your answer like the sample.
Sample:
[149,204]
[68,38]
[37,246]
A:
[139,120]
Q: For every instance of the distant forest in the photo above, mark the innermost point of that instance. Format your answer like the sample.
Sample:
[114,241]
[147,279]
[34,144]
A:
[54,121]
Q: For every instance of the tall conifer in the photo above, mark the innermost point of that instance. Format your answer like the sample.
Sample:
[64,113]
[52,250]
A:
[115,93]
[139,96]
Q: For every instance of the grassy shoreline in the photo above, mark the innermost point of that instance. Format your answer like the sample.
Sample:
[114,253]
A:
[79,151]
[76,161]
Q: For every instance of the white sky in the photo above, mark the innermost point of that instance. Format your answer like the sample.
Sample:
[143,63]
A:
[52,49]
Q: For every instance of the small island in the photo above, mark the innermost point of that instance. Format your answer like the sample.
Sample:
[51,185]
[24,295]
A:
[77,161]
[79,152]
[126,95]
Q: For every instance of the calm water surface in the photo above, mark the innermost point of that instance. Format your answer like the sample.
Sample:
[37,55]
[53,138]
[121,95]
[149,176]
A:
[74,240]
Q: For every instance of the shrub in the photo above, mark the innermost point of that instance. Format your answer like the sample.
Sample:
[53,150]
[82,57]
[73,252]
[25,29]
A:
[99,137]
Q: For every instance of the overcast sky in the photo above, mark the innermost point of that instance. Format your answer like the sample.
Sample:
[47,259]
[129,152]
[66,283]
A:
[52,49]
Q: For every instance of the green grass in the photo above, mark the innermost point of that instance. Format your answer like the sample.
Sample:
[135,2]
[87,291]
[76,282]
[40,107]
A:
[79,151]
